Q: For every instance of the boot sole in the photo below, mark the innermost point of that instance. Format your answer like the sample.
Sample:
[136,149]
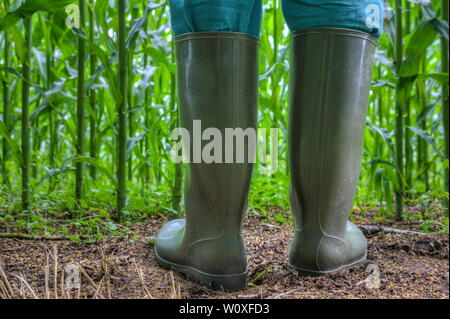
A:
[226,283]
[317,273]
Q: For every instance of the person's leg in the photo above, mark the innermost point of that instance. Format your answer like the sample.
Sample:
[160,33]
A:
[242,16]
[333,47]
[361,15]
[217,85]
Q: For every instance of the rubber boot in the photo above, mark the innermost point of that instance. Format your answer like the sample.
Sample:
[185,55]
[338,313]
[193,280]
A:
[217,84]
[329,90]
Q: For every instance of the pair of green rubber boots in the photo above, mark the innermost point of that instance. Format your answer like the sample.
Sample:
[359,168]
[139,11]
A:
[218,84]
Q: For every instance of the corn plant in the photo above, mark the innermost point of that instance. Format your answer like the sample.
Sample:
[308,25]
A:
[86,110]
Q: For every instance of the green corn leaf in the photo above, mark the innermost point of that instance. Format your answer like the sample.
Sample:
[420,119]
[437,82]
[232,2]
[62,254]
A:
[139,24]
[13,143]
[29,7]
[13,72]
[419,41]
[160,57]
[441,78]
[427,138]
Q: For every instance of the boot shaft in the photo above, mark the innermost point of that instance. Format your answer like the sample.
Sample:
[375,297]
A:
[217,84]
[330,84]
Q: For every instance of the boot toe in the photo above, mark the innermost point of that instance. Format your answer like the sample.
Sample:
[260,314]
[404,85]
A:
[169,239]
[357,242]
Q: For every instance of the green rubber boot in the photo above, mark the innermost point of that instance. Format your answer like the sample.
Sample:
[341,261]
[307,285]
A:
[217,84]
[330,84]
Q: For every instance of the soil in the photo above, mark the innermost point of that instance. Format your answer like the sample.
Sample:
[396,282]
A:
[398,266]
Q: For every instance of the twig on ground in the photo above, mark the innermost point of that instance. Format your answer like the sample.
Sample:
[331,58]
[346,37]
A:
[27,285]
[62,285]
[22,236]
[97,291]
[55,270]
[270,226]
[8,289]
[147,293]
[176,291]
[371,230]
[283,294]
[31,237]
[106,265]
[46,278]
[85,274]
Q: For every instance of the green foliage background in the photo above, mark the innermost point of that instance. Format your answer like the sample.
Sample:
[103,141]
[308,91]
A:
[406,149]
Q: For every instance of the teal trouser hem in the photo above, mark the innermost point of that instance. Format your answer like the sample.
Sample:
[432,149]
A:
[243,16]
[362,15]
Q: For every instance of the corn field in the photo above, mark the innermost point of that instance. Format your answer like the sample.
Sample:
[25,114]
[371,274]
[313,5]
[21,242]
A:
[88,103]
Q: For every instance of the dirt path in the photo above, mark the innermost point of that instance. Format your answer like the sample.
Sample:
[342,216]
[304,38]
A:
[409,266]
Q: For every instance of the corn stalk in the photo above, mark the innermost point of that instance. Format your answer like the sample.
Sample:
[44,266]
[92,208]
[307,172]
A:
[6,110]
[92,96]
[80,105]
[122,112]
[26,152]
[445,104]
[399,110]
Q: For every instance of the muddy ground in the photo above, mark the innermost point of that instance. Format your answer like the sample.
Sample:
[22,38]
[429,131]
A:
[409,266]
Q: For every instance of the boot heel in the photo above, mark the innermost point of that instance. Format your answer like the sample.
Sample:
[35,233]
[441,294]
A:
[226,283]
[317,273]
